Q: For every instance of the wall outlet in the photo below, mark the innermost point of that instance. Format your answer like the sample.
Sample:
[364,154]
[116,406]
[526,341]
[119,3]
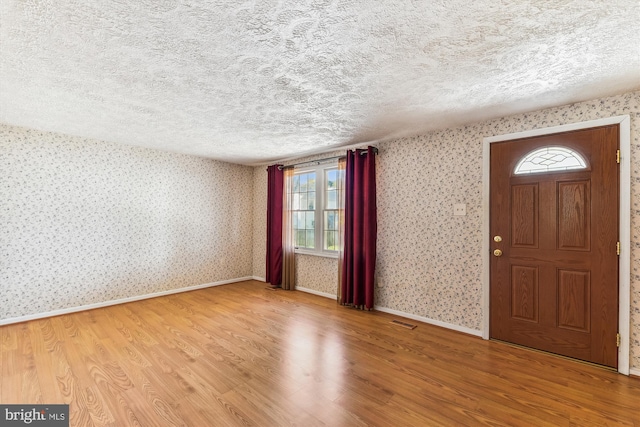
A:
[460,209]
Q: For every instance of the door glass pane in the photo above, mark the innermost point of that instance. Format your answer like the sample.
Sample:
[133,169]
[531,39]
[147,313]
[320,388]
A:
[549,159]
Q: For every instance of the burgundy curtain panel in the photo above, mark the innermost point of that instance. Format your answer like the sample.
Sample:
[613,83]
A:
[360,229]
[275,181]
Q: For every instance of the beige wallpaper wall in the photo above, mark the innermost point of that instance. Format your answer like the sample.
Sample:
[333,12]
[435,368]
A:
[259,222]
[429,262]
[85,221]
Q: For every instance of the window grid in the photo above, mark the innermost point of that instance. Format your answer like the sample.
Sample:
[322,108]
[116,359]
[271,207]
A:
[304,205]
[316,199]
[332,202]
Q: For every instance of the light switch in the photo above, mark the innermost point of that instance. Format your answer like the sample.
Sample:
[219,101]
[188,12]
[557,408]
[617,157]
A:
[460,209]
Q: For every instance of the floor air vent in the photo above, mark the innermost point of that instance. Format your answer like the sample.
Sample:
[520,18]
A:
[403,324]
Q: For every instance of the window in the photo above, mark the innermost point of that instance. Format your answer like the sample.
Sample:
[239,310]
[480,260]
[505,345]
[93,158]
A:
[317,198]
[550,159]
[304,205]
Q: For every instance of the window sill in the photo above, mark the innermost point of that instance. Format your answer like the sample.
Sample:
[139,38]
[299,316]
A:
[314,253]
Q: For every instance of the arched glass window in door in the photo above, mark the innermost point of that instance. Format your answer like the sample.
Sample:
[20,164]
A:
[550,159]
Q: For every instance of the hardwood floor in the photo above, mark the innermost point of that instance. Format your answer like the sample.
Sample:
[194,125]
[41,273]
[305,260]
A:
[242,355]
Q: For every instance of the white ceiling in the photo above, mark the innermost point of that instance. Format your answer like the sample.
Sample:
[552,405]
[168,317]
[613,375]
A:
[258,80]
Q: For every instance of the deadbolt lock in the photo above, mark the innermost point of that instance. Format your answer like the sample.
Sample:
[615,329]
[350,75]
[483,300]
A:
[497,252]
[497,239]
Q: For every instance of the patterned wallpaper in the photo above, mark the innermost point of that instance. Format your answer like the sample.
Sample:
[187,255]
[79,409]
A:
[85,221]
[260,222]
[317,273]
[429,262]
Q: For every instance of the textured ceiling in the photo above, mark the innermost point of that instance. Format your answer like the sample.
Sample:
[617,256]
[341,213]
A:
[258,80]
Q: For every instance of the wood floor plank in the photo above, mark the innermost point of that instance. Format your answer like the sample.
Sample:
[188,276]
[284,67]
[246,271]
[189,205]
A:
[266,408]
[214,408]
[242,355]
[74,396]
[333,414]
[156,403]
[99,412]
[119,407]
[11,384]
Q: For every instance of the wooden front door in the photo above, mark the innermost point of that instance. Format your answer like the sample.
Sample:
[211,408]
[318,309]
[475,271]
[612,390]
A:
[554,286]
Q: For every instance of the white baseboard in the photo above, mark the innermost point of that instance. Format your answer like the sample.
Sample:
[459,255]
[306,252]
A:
[258,278]
[117,301]
[635,372]
[446,325]
[458,328]
[314,292]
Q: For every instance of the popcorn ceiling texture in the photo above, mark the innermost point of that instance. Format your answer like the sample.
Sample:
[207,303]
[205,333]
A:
[429,261]
[260,80]
[85,221]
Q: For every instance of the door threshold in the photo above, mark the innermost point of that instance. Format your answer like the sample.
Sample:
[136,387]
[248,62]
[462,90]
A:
[583,362]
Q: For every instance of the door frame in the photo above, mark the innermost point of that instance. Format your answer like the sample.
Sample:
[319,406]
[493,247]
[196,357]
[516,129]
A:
[624,285]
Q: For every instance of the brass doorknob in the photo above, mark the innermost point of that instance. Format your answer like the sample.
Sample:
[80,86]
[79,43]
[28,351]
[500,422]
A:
[497,252]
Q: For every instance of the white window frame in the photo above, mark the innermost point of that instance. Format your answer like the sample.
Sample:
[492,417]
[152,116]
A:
[320,170]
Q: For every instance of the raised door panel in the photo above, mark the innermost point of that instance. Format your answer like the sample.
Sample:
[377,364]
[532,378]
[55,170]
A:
[524,293]
[574,300]
[574,215]
[524,216]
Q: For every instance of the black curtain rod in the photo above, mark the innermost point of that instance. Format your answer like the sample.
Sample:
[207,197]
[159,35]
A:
[310,162]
